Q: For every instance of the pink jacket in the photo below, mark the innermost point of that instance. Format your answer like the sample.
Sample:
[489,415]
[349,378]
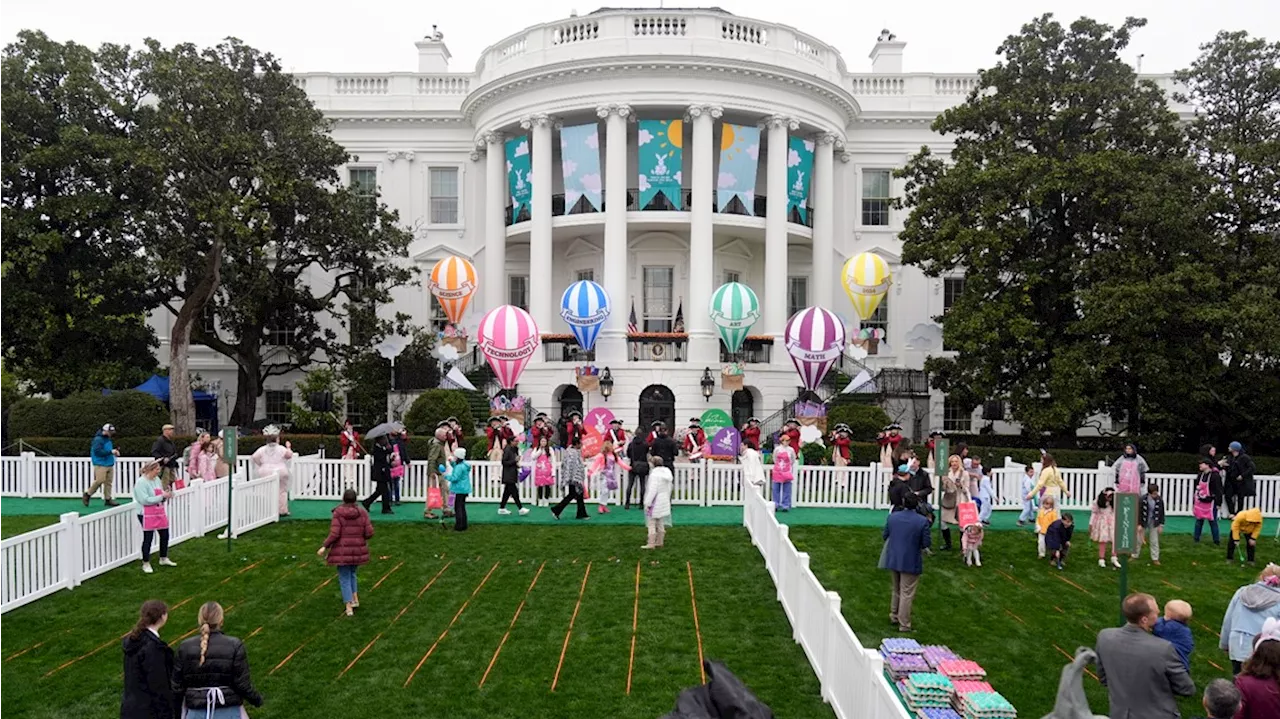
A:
[203,465]
[784,459]
[598,464]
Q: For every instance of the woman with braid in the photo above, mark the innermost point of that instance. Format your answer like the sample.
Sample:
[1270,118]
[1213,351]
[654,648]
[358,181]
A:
[211,673]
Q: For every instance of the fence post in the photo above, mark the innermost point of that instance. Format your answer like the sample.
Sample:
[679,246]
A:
[780,567]
[197,507]
[28,474]
[802,562]
[875,486]
[69,549]
[704,480]
[829,648]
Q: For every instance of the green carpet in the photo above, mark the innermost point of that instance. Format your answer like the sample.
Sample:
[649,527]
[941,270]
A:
[486,513]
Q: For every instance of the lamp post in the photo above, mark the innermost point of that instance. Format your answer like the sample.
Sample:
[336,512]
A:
[708,384]
[606,384]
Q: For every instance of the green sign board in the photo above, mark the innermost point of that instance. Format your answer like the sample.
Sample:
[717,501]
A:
[229,447]
[1126,524]
[713,420]
[941,451]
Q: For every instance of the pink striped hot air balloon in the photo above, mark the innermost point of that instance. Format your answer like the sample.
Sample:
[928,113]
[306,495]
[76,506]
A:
[453,281]
[508,337]
[815,340]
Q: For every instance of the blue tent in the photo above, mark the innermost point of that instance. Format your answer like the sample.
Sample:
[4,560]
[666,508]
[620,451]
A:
[206,402]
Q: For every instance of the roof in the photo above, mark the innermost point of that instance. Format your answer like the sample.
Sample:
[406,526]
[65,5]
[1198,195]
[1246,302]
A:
[721,11]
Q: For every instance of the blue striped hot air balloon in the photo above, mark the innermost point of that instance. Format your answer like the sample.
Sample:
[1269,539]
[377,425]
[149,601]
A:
[584,306]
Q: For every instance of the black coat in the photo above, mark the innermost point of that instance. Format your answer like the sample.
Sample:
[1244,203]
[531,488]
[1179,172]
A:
[511,464]
[1144,517]
[165,451]
[666,448]
[921,484]
[381,454]
[226,666]
[638,454]
[1240,475]
[148,665]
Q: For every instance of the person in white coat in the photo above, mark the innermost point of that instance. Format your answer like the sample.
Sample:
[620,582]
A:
[272,458]
[752,465]
[657,502]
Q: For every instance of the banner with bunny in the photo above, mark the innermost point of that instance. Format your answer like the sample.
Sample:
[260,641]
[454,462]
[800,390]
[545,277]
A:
[519,169]
[660,144]
[799,177]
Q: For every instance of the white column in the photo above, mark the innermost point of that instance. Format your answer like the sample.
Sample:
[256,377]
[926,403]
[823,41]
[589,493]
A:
[703,340]
[540,235]
[611,346]
[495,221]
[823,189]
[775,233]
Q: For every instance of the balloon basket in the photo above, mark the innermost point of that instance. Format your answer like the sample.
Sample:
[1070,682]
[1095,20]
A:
[588,383]
[458,343]
[731,382]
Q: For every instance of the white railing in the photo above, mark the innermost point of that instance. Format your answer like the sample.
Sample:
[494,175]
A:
[64,555]
[701,484]
[851,676]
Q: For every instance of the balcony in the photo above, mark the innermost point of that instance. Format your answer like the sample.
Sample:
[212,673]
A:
[754,350]
[660,204]
[564,348]
[658,346]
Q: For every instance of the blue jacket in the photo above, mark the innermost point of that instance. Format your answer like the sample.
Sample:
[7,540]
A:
[1179,635]
[459,478]
[1252,605]
[100,451]
[1058,535]
[906,535]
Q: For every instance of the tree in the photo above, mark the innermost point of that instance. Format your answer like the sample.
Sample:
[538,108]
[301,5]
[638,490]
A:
[254,223]
[75,284]
[1235,137]
[1070,203]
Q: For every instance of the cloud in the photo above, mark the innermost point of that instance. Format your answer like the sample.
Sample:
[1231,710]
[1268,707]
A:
[569,167]
[727,179]
[593,140]
[644,137]
[678,175]
[522,149]
[448,353]
[591,183]
[508,165]
[571,196]
[754,151]
[808,145]
[749,199]
[793,158]
[644,182]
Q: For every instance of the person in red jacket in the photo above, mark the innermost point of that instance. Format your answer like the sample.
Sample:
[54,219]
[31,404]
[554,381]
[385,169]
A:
[842,446]
[792,430]
[695,439]
[889,439]
[494,434]
[350,441]
[751,433]
[348,545]
[616,433]
[572,428]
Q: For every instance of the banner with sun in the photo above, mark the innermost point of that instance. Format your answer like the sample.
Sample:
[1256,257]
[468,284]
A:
[739,157]
[661,150]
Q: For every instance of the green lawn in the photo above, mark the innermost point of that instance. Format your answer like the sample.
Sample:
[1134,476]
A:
[273,587]
[10,526]
[1017,616]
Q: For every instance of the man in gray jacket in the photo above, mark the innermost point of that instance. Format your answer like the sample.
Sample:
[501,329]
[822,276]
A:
[1142,672]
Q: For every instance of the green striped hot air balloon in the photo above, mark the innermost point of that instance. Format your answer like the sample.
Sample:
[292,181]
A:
[734,309]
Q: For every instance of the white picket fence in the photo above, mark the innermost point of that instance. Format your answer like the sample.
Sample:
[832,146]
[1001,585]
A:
[851,675]
[64,555]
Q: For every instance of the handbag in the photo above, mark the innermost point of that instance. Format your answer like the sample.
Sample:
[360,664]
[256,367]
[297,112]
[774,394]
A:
[434,500]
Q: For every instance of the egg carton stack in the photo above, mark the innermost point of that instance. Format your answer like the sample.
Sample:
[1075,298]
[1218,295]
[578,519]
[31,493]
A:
[902,665]
[969,686]
[900,645]
[938,713]
[962,669]
[984,705]
[927,690]
[935,654]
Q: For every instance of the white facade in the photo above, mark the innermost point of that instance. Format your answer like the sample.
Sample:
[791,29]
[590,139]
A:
[418,131]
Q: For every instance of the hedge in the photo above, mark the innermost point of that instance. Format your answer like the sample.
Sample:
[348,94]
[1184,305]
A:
[436,405]
[134,414]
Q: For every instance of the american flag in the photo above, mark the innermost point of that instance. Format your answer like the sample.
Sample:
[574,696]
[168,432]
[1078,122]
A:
[632,327]
[678,325]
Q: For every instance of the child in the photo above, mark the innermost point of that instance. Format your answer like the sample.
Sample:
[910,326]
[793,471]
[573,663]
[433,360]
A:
[1173,629]
[605,470]
[657,502]
[1028,498]
[986,497]
[458,473]
[1058,538]
[1151,518]
[1247,524]
[544,469]
[971,544]
[1102,526]
[1208,495]
[1046,516]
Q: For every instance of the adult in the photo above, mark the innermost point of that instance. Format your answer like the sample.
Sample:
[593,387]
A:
[929,447]
[638,458]
[211,671]
[1051,483]
[665,447]
[792,430]
[898,486]
[574,474]
[381,471]
[437,448]
[102,453]
[889,438]
[921,484]
[350,441]
[572,429]
[654,431]
[202,462]
[1221,700]
[695,439]
[1142,672]
[511,478]
[1251,606]
[752,466]
[348,545]
[1240,483]
[400,461]
[273,458]
[1207,497]
[955,489]
[783,473]
[148,665]
[616,433]
[493,432]
[1130,470]
[150,495]
[164,451]
[1259,682]
[906,536]
[751,433]
[842,446]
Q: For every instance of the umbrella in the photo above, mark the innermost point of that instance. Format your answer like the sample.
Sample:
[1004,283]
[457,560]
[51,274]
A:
[382,429]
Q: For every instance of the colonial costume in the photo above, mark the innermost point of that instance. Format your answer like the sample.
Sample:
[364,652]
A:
[494,434]
[842,446]
[572,429]
[751,433]
[616,433]
[653,431]
[695,439]
[929,447]
[350,441]
[792,430]
[889,439]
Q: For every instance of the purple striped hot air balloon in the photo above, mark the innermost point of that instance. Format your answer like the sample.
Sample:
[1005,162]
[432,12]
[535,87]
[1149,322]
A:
[508,337]
[815,339]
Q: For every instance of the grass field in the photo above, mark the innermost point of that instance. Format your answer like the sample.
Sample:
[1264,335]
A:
[435,608]
[1021,619]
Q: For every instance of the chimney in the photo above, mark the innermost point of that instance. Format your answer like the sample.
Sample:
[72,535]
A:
[433,55]
[886,56]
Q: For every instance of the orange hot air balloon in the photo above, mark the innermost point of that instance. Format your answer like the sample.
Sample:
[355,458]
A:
[453,281]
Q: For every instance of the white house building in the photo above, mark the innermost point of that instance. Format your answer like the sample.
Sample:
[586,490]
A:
[648,150]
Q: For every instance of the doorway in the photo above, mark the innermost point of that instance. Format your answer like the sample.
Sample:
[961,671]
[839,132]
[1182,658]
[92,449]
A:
[570,400]
[657,402]
[743,407]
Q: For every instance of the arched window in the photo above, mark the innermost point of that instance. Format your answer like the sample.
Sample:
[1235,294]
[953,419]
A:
[657,402]
[743,407]
[570,400]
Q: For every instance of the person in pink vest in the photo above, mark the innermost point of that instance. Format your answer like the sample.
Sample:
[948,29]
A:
[784,462]
[272,458]
[150,494]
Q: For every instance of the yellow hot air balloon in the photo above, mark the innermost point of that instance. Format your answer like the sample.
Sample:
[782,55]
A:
[866,279]
[453,281]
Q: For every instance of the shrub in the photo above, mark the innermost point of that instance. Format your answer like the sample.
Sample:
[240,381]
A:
[134,414]
[435,406]
[865,420]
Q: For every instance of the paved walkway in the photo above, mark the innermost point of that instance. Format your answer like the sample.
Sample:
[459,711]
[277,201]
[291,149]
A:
[486,513]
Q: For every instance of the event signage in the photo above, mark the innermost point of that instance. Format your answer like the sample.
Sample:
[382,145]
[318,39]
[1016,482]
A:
[799,177]
[519,176]
[660,149]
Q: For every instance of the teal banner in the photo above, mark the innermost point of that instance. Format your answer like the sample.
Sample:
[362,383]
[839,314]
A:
[739,157]
[580,161]
[799,175]
[519,169]
[661,151]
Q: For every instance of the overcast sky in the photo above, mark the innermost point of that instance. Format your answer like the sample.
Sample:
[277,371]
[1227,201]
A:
[378,35]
